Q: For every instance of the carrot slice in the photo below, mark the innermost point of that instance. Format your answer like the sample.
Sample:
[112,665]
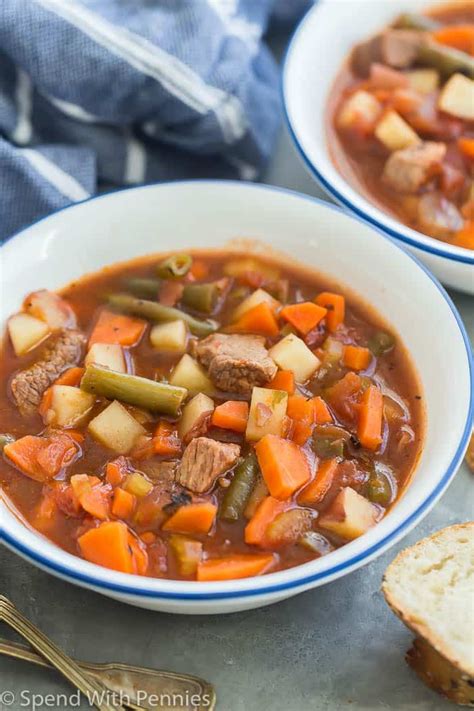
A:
[123,503]
[322,482]
[231,415]
[139,554]
[166,441]
[300,409]
[336,306]
[320,411]
[41,458]
[192,518]
[93,496]
[283,380]
[116,470]
[108,545]
[117,328]
[356,357]
[232,567]
[267,510]
[301,432]
[466,146]
[457,36]
[369,429]
[304,317]
[260,319]
[283,464]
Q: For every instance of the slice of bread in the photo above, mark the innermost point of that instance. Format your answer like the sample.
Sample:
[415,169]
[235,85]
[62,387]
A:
[470,454]
[430,586]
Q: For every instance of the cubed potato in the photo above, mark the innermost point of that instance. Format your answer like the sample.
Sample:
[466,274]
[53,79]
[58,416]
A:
[240,266]
[350,515]
[110,355]
[258,297]
[194,412]
[116,428]
[457,97]
[267,413]
[395,133]
[51,308]
[189,374]
[288,527]
[425,81]
[360,107]
[69,406]
[137,484]
[26,332]
[292,353]
[171,337]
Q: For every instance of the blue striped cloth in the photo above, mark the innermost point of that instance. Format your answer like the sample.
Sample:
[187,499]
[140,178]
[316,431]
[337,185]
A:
[102,93]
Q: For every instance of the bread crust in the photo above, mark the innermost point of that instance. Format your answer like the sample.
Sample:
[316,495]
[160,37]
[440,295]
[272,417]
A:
[418,626]
[437,673]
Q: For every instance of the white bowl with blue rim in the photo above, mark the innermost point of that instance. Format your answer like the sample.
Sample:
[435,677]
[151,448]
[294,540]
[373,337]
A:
[316,53]
[125,224]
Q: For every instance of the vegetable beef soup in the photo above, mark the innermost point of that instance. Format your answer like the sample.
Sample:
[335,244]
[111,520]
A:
[401,122]
[204,417]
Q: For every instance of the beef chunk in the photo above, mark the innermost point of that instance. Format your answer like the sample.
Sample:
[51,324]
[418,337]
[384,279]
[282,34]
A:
[236,363]
[28,386]
[409,168]
[400,47]
[203,461]
[397,48]
[438,216]
[160,471]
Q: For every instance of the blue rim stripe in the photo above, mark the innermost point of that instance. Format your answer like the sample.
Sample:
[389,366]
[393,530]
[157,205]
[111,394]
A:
[91,581]
[328,187]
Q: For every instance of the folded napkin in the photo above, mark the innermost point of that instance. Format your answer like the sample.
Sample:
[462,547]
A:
[96,94]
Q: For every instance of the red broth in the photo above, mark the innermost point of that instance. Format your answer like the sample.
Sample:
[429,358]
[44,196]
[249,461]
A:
[326,463]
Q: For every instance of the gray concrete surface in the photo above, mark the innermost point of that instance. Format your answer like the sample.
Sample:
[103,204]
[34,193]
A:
[336,647]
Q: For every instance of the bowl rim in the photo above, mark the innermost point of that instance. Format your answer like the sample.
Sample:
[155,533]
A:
[408,235]
[210,591]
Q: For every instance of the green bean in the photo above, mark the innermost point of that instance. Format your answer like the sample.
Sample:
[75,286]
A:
[327,448]
[153,311]
[134,390]
[174,267]
[5,439]
[379,488]
[203,297]
[328,441]
[381,343]
[143,287]
[412,21]
[241,486]
[446,60]
[260,492]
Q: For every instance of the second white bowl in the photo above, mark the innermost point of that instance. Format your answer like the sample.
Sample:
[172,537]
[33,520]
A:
[316,53]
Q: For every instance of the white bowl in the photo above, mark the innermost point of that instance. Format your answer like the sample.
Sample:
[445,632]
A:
[125,224]
[315,55]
